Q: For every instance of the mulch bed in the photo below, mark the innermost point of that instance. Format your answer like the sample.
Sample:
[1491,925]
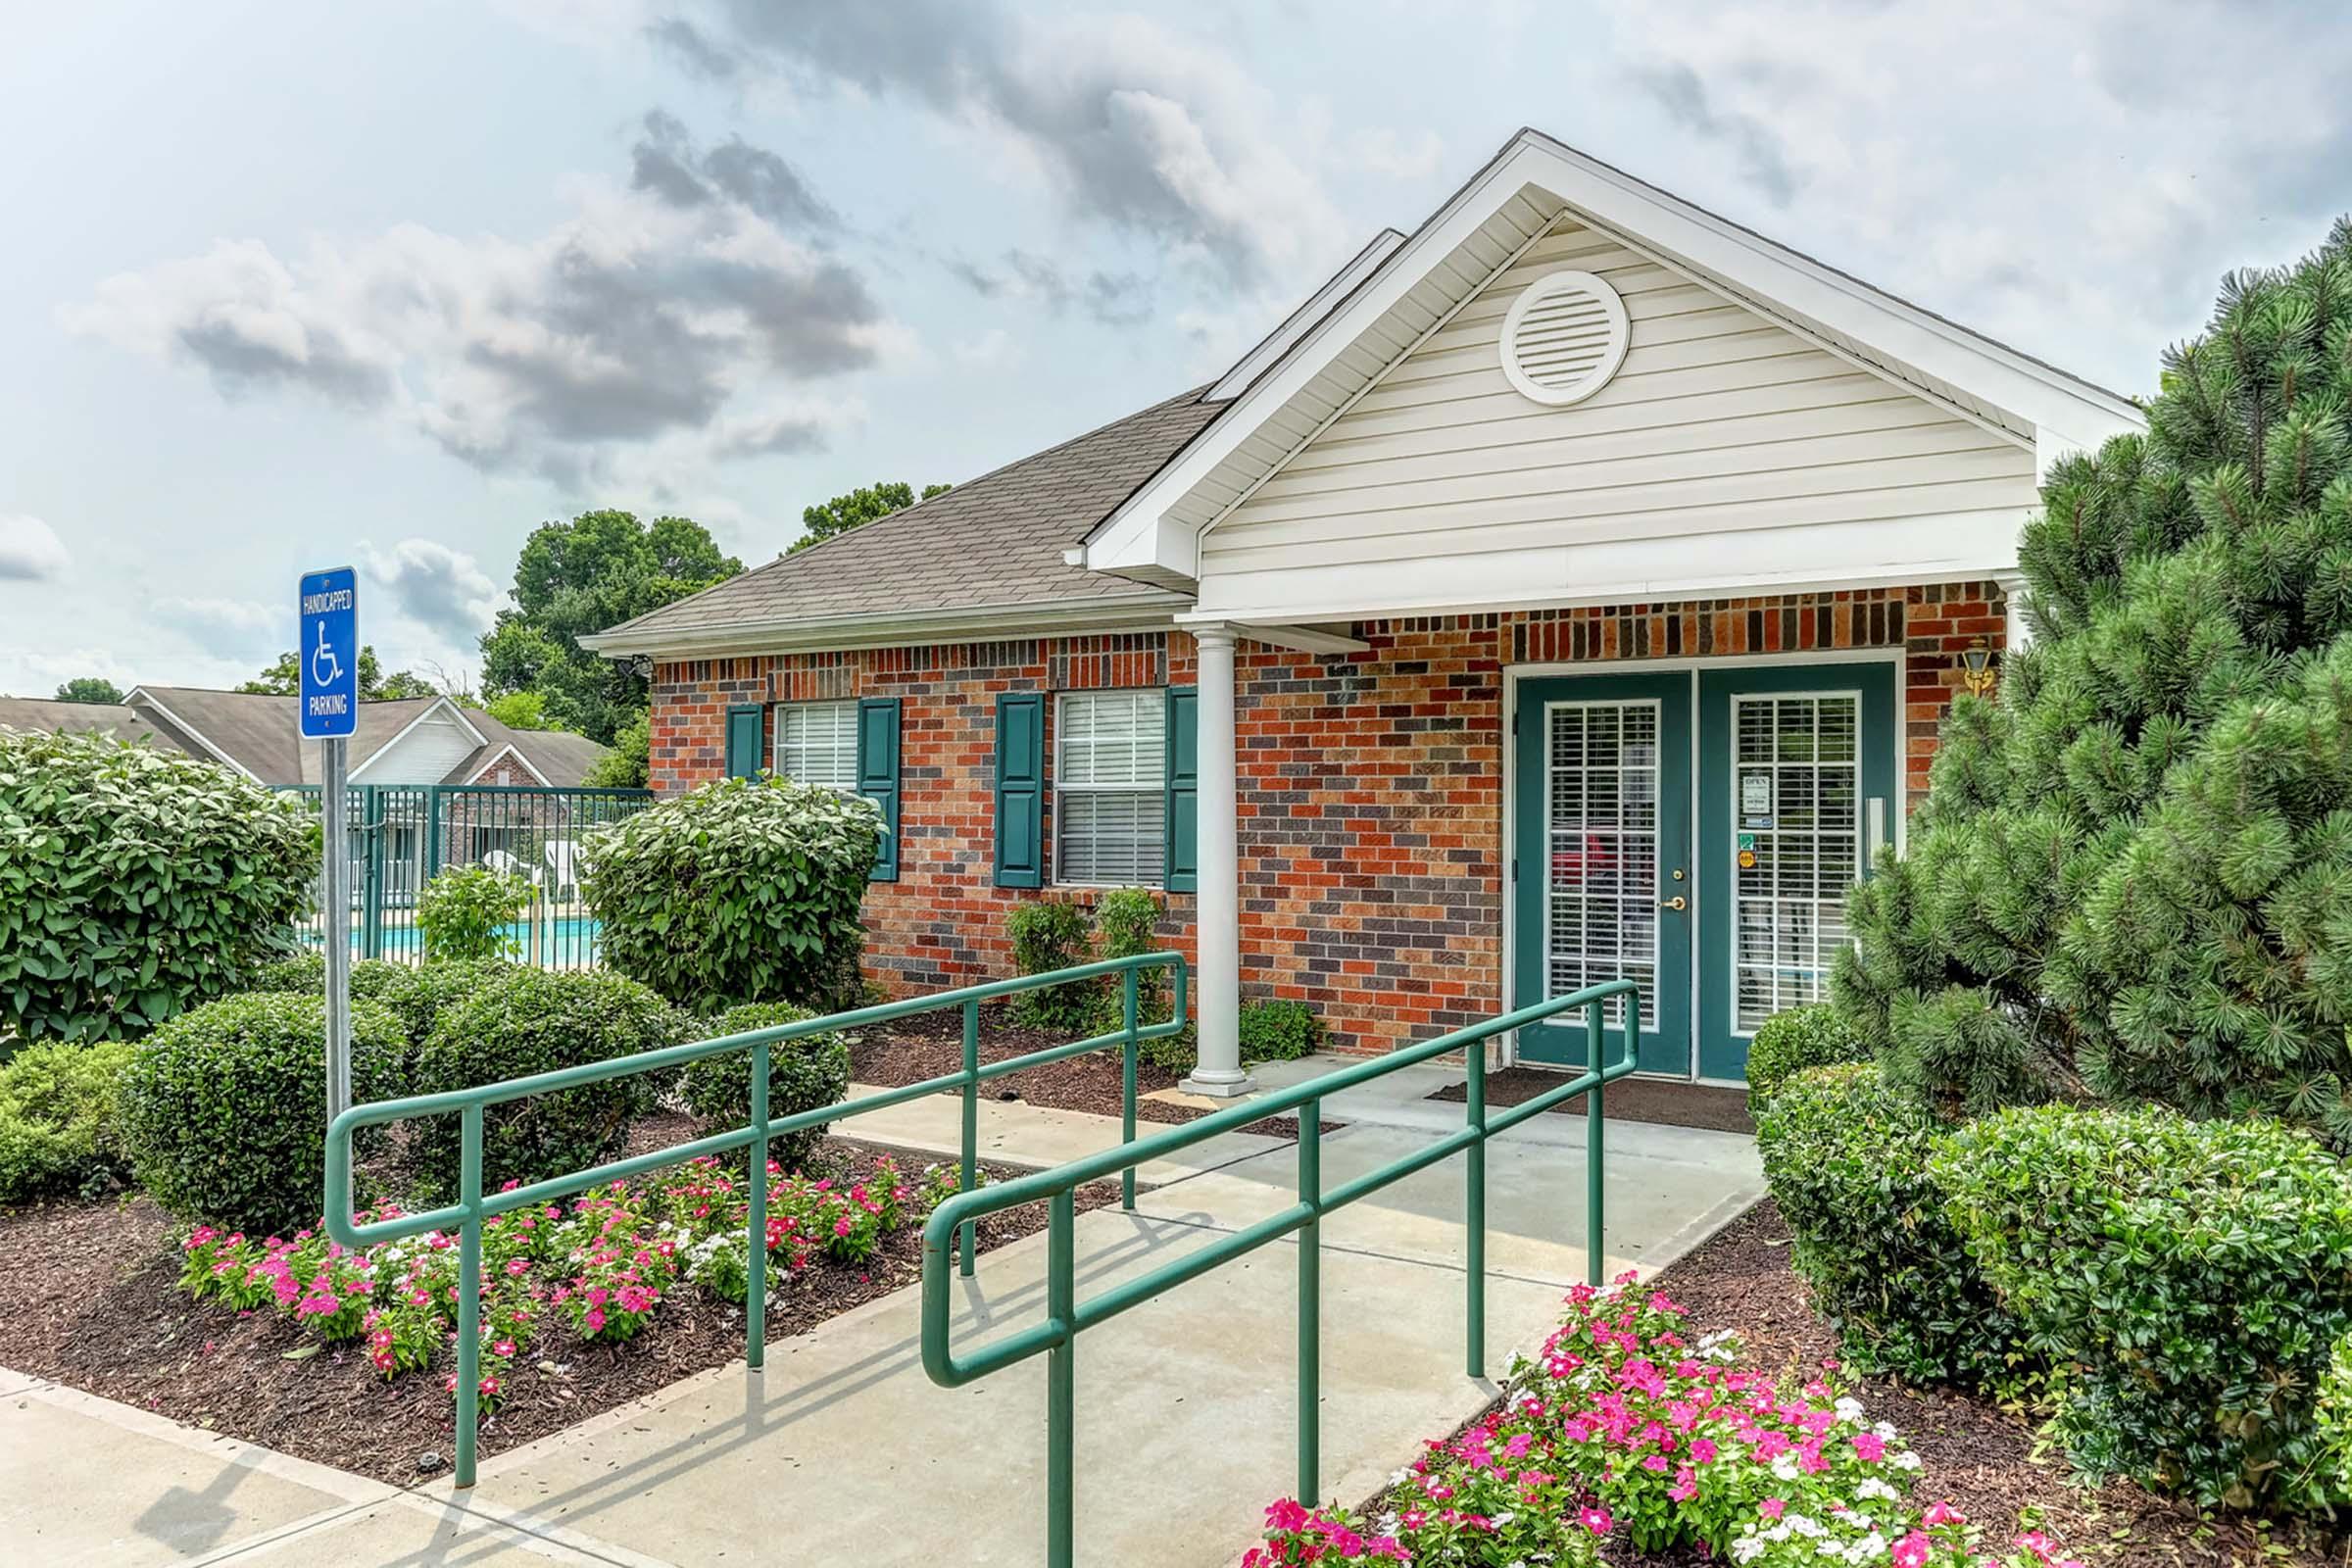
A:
[1723,1110]
[89,1296]
[930,1045]
[1988,1462]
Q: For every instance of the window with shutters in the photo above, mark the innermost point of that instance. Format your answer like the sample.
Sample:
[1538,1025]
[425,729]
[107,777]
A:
[1109,788]
[817,742]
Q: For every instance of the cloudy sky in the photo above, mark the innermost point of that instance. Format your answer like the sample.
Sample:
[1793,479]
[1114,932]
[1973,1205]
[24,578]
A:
[288,285]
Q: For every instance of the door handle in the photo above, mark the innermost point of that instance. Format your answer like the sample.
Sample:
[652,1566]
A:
[1678,901]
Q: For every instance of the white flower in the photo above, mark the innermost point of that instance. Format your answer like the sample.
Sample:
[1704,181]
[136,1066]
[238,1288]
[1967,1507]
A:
[1785,1467]
[1873,1487]
[1849,1409]
[1906,1460]
[1747,1548]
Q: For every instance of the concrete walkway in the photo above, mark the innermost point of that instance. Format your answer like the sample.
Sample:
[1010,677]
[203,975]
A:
[843,1451]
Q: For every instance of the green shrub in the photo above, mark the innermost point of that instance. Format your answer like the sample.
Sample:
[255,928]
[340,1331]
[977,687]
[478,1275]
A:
[463,913]
[417,992]
[1049,935]
[1279,1030]
[2196,1274]
[745,890]
[135,884]
[1787,1042]
[298,972]
[803,1074]
[58,1131]
[224,1108]
[517,1022]
[1849,1161]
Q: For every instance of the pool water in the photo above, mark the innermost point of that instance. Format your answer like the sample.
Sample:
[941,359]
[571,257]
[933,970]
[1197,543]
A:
[570,939]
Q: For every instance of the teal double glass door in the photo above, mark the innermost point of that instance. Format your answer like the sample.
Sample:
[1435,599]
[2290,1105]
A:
[1694,831]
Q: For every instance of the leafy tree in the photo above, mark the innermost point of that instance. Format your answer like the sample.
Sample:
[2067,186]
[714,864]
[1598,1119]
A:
[284,679]
[628,764]
[860,507]
[89,689]
[2131,877]
[584,576]
[525,710]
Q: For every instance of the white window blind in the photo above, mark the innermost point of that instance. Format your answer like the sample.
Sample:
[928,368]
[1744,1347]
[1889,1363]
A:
[817,742]
[1109,777]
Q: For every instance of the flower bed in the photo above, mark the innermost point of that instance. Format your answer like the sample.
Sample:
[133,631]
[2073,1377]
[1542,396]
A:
[90,1294]
[604,1262]
[1629,1428]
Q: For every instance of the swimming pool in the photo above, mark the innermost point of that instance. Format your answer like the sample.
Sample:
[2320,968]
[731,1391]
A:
[567,940]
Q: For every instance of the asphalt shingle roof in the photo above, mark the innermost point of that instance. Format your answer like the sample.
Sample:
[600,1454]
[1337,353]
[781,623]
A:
[990,541]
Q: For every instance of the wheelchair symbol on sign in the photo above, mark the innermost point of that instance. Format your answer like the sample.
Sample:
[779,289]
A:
[332,671]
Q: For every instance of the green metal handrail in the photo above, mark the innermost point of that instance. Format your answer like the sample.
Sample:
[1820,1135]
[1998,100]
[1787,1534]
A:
[474,1205]
[1067,1318]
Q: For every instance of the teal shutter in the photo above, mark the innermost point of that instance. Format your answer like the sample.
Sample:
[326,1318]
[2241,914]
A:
[1021,790]
[878,776]
[1182,814]
[747,738]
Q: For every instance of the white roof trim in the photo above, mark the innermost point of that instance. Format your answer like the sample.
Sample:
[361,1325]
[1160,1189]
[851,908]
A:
[898,629]
[187,729]
[1275,344]
[491,761]
[430,709]
[1759,274]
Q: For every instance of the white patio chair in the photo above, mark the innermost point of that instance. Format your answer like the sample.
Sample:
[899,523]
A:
[506,864]
[563,859]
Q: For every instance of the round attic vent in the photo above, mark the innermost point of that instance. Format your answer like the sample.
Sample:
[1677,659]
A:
[1564,337]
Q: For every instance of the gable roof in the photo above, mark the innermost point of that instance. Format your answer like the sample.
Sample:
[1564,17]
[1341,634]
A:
[37,714]
[1530,183]
[994,543]
[259,734]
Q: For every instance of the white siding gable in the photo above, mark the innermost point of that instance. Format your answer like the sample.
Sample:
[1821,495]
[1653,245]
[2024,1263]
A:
[1726,452]
[431,747]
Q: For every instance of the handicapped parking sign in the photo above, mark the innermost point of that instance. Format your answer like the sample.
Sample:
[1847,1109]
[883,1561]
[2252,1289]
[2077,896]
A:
[329,653]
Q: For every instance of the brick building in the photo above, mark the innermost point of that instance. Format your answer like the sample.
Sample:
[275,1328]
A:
[1571,589]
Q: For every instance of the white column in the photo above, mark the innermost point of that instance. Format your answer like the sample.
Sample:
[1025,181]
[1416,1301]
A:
[1218,907]
[2015,633]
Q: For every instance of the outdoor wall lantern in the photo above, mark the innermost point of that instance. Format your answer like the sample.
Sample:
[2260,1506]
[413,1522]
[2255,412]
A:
[1976,668]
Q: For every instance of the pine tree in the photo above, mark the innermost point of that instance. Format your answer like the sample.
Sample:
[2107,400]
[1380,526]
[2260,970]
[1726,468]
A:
[2131,876]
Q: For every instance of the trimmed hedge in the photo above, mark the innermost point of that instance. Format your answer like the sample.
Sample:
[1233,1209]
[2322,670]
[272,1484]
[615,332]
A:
[224,1108]
[418,994]
[803,1074]
[2196,1274]
[1789,1042]
[135,883]
[1849,1161]
[521,1021]
[745,890]
[58,1131]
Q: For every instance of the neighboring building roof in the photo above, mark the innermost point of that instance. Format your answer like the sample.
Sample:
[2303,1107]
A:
[992,543]
[38,714]
[259,734]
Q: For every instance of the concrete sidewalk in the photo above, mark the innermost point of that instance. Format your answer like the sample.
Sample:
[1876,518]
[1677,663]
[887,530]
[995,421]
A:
[843,1451]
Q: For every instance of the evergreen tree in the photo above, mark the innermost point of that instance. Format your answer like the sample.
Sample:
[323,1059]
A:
[2131,876]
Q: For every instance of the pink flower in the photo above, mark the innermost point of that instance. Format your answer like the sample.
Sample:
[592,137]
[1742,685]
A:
[1912,1550]
[1772,1507]
[1870,1445]
[1597,1520]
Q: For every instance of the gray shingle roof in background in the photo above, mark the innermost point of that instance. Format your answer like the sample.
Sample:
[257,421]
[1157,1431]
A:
[39,716]
[995,540]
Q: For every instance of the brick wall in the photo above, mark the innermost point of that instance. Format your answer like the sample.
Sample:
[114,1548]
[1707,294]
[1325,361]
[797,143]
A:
[1369,790]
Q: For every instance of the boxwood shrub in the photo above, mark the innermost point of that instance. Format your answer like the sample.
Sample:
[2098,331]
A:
[1849,1161]
[417,993]
[224,1108]
[521,1021]
[1279,1029]
[1049,935]
[2197,1276]
[58,1131]
[803,1074]
[135,884]
[1789,1042]
[745,890]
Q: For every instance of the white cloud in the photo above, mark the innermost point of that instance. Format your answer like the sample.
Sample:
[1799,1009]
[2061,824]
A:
[1395,155]
[31,550]
[440,589]
[241,624]
[655,310]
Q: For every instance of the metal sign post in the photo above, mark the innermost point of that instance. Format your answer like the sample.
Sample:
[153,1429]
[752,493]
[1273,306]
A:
[328,658]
